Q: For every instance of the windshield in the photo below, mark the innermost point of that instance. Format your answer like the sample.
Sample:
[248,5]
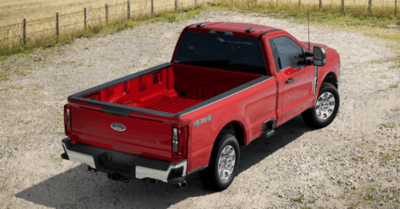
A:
[221,51]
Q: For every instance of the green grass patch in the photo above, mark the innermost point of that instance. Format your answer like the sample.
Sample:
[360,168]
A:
[359,158]
[299,199]
[394,86]
[17,87]
[386,157]
[383,76]
[353,205]
[368,197]
[389,126]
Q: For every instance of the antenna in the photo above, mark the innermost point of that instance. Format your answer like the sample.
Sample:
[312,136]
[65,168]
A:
[308,30]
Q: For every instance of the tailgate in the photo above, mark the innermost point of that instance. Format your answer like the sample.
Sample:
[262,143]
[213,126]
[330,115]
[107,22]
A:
[149,138]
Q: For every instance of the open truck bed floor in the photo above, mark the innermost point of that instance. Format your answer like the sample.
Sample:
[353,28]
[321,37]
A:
[165,90]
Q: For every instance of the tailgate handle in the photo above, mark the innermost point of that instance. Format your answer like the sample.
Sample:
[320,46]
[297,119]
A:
[116,111]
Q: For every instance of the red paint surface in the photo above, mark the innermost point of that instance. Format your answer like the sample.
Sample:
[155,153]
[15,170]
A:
[182,86]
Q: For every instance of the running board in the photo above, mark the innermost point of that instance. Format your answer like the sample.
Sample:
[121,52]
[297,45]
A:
[268,128]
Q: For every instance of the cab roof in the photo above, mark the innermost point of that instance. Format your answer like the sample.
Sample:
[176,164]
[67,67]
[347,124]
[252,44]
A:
[238,29]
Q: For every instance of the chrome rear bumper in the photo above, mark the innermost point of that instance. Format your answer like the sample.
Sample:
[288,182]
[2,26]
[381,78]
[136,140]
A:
[132,166]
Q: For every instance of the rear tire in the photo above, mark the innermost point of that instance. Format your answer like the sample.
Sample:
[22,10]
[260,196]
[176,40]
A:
[325,109]
[224,163]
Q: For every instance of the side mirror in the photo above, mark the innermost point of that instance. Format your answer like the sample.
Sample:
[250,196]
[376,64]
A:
[319,58]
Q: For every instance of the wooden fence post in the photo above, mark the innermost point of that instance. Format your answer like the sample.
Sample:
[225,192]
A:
[395,7]
[320,5]
[176,5]
[195,4]
[107,13]
[85,20]
[24,31]
[369,6]
[232,3]
[128,9]
[299,4]
[57,26]
[152,6]
[343,6]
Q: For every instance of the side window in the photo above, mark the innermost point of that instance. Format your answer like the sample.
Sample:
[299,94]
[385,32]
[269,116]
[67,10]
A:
[286,53]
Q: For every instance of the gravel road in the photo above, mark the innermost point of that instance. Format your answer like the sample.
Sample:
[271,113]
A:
[352,163]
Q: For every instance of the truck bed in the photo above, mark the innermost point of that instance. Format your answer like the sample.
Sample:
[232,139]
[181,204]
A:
[171,89]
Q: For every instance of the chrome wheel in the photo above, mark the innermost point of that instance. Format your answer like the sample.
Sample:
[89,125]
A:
[226,162]
[325,105]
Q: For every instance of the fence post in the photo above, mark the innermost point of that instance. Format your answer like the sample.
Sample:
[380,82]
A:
[232,3]
[320,5]
[176,5]
[24,31]
[195,4]
[107,13]
[85,20]
[152,6]
[395,7]
[369,6]
[277,3]
[57,26]
[343,6]
[299,4]
[128,9]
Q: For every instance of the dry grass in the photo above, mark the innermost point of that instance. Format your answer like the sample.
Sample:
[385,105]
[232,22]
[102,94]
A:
[40,16]
[41,24]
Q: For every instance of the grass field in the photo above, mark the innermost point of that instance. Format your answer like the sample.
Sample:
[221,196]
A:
[41,24]
[14,11]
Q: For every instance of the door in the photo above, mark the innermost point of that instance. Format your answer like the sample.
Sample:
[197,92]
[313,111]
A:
[297,77]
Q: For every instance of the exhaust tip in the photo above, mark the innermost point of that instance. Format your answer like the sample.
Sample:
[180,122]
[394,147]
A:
[183,185]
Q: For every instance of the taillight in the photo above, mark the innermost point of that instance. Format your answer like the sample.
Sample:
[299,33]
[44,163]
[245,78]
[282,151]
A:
[179,141]
[67,120]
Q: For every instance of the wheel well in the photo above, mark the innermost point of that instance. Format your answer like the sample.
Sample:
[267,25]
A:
[235,128]
[331,78]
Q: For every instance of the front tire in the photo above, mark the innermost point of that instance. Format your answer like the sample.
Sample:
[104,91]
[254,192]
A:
[325,109]
[224,163]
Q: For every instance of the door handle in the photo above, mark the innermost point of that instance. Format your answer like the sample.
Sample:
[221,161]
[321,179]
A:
[290,80]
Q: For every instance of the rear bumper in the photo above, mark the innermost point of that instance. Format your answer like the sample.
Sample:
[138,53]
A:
[131,166]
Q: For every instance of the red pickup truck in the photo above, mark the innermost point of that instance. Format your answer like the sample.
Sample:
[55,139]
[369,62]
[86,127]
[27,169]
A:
[227,84]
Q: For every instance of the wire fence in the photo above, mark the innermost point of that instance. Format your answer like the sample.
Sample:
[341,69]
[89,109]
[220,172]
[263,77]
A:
[71,24]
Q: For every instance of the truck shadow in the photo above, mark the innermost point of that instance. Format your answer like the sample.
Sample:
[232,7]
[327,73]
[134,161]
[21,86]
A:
[77,188]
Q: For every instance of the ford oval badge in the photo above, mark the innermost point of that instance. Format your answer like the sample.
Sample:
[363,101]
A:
[118,127]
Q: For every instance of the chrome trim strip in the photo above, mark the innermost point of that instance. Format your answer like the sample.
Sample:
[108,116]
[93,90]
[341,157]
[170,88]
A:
[79,157]
[144,172]
[315,79]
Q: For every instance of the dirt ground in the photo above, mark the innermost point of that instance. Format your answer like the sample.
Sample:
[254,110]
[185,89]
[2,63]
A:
[352,163]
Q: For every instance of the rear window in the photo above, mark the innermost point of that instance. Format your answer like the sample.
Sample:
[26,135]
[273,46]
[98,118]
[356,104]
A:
[221,51]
